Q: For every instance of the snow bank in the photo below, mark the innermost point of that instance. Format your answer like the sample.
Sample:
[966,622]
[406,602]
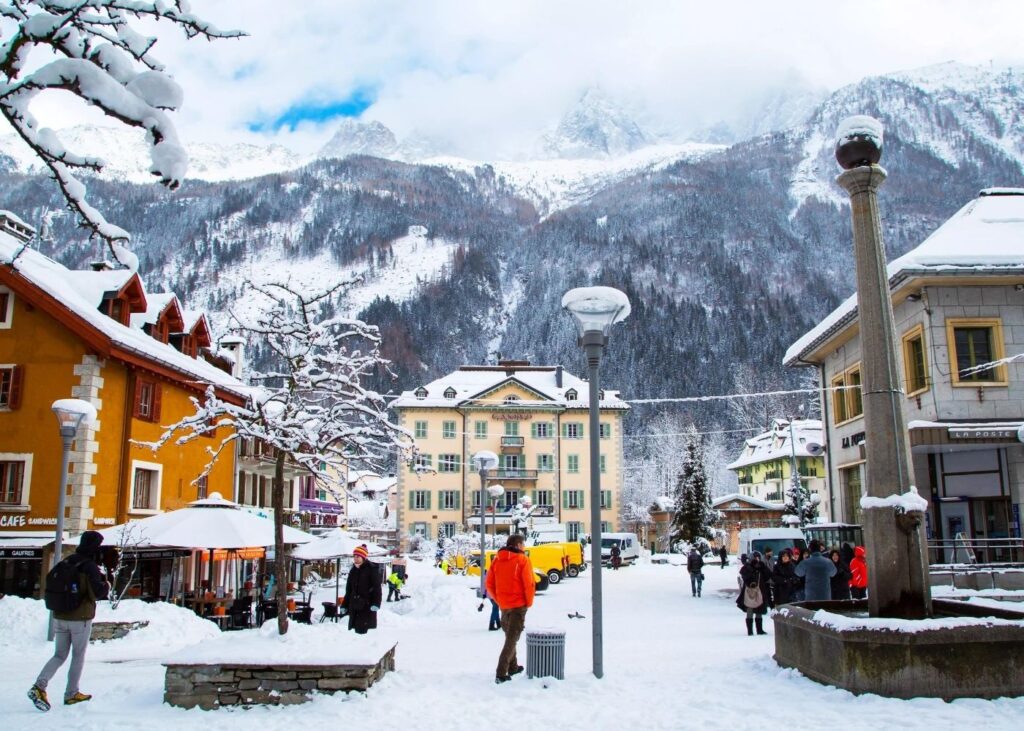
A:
[909,501]
[848,623]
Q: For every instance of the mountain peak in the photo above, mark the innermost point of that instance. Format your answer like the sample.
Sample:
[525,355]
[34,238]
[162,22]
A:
[354,137]
[597,126]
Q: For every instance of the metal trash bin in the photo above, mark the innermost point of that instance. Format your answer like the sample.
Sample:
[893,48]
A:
[545,654]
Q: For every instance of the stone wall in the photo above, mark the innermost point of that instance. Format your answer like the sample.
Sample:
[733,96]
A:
[103,631]
[212,686]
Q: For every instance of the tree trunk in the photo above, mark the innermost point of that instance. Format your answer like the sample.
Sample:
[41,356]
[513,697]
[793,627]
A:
[280,558]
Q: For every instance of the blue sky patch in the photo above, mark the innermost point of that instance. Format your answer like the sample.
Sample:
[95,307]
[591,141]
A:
[317,111]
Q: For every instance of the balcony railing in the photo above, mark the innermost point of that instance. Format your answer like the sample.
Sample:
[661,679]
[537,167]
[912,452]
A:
[512,441]
[508,474]
[773,475]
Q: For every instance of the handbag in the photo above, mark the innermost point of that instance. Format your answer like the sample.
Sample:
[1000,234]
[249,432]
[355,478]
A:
[752,597]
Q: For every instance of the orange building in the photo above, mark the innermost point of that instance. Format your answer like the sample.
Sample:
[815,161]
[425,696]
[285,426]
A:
[137,357]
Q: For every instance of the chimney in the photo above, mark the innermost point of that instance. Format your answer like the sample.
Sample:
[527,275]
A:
[234,346]
[558,376]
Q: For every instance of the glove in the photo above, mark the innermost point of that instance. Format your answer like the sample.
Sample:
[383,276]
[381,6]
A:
[374,608]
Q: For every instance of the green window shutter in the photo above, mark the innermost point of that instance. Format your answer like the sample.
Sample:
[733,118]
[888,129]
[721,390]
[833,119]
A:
[458,463]
[607,498]
[581,493]
[426,503]
[565,431]
[458,500]
[582,434]
[602,463]
[565,500]
[412,499]
[533,430]
[533,496]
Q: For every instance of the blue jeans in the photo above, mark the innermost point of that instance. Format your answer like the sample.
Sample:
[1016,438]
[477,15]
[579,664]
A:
[695,582]
[495,622]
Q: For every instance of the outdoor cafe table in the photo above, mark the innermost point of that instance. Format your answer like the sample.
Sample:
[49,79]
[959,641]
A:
[199,603]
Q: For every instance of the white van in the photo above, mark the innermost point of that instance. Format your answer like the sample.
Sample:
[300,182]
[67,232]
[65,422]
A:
[629,547]
[759,539]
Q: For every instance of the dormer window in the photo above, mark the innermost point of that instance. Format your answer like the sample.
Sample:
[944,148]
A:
[571,394]
[117,309]
[449,393]
[511,399]
[421,393]
[602,395]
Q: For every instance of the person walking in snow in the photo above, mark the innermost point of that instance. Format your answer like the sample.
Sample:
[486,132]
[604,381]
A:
[817,570]
[723,554]
[510,583]
[784,581]
[755,594]
[362,592]
[695,567]
[858,574]
[73,626]
[394,586]
[840,583]
[616,556]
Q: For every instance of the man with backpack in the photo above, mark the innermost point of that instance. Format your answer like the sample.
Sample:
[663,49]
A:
[73,587]
[695,566]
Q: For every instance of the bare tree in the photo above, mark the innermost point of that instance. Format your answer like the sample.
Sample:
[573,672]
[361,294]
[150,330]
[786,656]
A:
[92,50]
[310,407]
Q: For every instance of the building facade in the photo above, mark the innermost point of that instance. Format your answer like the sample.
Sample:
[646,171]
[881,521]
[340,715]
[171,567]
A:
[958,305]
[137,357]
[535,418]
[743,511]
[764,467]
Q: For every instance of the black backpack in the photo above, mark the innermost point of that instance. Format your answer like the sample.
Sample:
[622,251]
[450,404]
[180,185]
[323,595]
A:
[64,590]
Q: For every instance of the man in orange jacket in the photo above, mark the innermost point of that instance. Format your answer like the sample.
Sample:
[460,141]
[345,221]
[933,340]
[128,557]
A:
[510,582]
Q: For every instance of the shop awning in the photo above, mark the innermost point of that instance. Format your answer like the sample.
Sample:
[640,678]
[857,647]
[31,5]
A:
[26,545]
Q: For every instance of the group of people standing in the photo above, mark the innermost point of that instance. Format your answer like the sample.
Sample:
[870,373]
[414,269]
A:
[799,575]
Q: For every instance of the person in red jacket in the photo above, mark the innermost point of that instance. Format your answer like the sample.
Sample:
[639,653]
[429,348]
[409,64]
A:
[859,572]
[510,582]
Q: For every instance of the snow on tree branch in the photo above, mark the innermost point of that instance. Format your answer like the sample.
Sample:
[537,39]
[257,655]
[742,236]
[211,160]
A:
[89,48]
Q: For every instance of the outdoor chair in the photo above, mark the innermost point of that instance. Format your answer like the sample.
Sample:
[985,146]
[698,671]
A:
[303,614]
[241,613]
[330,612]
[267,610]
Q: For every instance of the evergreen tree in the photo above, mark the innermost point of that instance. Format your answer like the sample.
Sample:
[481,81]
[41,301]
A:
[694,517]
[808,512]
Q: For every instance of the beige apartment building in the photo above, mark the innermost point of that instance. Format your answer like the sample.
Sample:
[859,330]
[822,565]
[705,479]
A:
[536,419]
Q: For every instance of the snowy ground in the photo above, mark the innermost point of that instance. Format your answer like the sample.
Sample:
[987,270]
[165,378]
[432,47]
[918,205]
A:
[671,662]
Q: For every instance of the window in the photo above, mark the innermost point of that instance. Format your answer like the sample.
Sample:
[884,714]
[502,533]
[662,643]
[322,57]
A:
[448,500]
[6,308]
[572,464]
[422,463]
[202,487]
[448,430]
[543,498]
[511,428]
[449,393]
[606,499]
[511,399]
[511,462]
[476,500]
[606,527]
[15,479]
[571,394]
[421,393]
[147,400]
[915,363]
[572,430]
[573,530]
[480,429]
[847,400]
[421,430]
[419,529]
[572,499]
[419,500]
[973,343]
[446,529]
[146,478]
[602,463]
[606,431]
[541,429]
[545,463]
[12,381]
[449,463]
[511,499]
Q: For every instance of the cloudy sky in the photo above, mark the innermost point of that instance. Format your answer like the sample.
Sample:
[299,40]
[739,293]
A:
[491,74]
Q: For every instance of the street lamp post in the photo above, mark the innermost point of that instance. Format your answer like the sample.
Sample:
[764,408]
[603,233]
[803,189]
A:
[495,492]
[70,414]
[483,461]
[595,309]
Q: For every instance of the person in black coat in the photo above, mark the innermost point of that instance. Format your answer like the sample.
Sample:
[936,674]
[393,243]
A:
[362,592]
[724,555]
[784,581]
[755,574]
[840,583]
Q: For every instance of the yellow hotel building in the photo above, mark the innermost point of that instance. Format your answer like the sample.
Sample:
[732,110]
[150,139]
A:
[535,418]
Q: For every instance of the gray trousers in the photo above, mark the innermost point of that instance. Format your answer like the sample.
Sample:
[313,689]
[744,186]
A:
[68,636]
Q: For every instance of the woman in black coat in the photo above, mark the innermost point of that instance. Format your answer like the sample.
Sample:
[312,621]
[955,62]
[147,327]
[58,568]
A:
[784,581]
[755,574]
[362,592]
[840,583]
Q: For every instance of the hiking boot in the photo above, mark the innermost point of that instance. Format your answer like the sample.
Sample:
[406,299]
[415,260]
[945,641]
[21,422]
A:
[499,679]
[38,697]
[77,698]
[516,670]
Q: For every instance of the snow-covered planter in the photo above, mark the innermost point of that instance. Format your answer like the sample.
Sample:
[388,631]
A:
[910,507]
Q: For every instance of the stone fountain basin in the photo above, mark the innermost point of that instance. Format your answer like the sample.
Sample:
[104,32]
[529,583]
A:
[963,651]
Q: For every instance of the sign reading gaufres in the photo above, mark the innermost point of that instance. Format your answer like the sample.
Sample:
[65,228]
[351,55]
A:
[1007,432]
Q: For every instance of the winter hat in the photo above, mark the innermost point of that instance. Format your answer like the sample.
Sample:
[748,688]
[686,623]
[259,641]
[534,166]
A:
[89,543]
[360,551]
[756,555]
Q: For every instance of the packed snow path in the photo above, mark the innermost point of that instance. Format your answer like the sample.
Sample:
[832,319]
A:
[671,662]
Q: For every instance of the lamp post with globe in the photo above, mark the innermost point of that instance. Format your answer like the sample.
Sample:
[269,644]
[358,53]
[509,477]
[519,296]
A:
[483,461]
[495,492]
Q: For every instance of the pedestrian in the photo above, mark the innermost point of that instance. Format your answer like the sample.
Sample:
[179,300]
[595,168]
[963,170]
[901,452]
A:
[769,558]
[494,624]
[445,567]
[840,583]
[362,592]
[858,574]
[784,581]
[695,566]
[74,585]
[846,553]
[817,571]
[616,555]
[755,594]
[723,554]
[510,583]
[394,586]
[798,590]
[739,577]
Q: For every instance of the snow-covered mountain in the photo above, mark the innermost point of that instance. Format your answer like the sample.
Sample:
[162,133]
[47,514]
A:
[360,138]
[596,127]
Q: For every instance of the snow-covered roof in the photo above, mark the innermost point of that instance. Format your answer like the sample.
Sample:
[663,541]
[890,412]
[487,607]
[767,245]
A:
[374,485]
[80,293]
[985,236]
[720,501]
[156,302]
[470,384]
[774,443]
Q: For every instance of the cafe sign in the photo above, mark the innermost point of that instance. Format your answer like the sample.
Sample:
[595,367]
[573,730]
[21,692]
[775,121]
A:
[511,416]
[20,520]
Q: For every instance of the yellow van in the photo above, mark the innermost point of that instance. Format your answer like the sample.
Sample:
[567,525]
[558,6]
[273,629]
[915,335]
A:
[574,554]
[549,559]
